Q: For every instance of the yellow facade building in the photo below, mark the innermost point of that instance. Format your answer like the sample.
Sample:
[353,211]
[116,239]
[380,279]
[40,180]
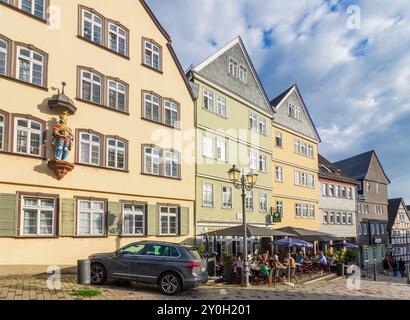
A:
[131,111]
[295,163]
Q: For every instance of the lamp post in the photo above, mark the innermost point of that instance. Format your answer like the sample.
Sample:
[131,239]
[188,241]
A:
[245,183]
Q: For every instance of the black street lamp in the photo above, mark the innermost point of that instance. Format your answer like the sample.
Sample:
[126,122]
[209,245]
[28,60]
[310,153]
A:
[245,183]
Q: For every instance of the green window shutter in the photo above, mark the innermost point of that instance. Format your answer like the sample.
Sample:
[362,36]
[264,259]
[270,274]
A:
[8,215]
[114,218]
[67,224]
[184,221]
[153,223]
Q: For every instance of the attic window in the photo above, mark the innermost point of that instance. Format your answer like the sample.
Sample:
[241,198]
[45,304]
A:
[294,111]
[322,166]
[243,74]
[233,67]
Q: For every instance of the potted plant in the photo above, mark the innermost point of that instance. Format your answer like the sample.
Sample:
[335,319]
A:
[228,267]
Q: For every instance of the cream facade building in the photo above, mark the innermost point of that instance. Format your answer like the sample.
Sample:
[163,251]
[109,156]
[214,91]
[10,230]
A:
[132,178]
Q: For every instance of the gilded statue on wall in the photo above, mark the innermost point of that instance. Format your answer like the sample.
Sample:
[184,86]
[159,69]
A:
[63,138]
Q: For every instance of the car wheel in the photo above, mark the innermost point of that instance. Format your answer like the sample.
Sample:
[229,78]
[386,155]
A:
[98,274]
[170,284]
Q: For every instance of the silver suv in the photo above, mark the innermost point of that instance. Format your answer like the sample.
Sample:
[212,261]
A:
[171,266]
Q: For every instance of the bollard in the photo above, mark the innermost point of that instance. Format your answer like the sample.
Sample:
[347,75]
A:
[83,272]
[375,271]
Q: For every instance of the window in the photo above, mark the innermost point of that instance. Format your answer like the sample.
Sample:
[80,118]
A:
[331,190]
[324,189]
[349,218]
[262,125]
[360,232]
[134,219]
[377,188]
[2,131]
[343,193]
[325,217]
[305,210]
[117,94]
[253,160]
[294,111]
[38,216]
[243,74]
[262,163]
[344,218]
[298,210]
[4,49]
[332,218]
[152,55]
[253,121]
[233,67]
[311,181]
[337,191]
[30,66]
[372,229]
[304,149]
[208,147]
[92,28]
[368,186]
[116,154]
[279,207]
[169,220]
[91,84]
[226,197]
[249,201]
[152,107]
[221,151]
[303,178]
[90,149]
[171,164]
[297,178]
[312,213]
[171,114]
[338,218]
[208,195]
[117,39]
[310,151]
[34,7]
[278,139]
[263,202]
[221,107]
[91,218]
[28,137]
[209,100]
[279,174]
[152,157]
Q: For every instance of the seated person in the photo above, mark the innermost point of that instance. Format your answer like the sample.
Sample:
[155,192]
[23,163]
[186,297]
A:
[300,258]
[322,261]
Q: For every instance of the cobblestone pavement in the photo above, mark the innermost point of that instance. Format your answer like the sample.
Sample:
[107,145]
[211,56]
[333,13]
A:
[35,288]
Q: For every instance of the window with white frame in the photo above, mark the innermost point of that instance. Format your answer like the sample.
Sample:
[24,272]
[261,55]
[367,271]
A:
[91,221]
[28,137]
[294,111]
[90,149]
[304,149]
[368,186]
[152,107]
[117,39]
[262,163]
[117,94]
[338,218]
[365,229]
[337,191]
[169,220]
[152,158]
[134,219]
[171,164]
[171,113]
[349,218]
[35,7]
[4,50]
[249,201]
[227,197]
[349,193]
[221,150]
[38,216]
[2,131]
[279,139]
[344,218]
[152,55]
[253,121]
[312,211]
[303,179]
[243,74]
[325,217]
[298,113]
[221,106]
[298,210]
[233,67]
[208,195]
[263,202]
[332,217]
[262,125]
[92,28]
[279,207]
[343,192]
[311,181]
[209,102]
[297,178]
[116,154]
[331,190]
[310,151]
[279,174]
[324,189]
[91,86]
[208,146]
[30,66]
[253,160]
[305,211]
[377,188]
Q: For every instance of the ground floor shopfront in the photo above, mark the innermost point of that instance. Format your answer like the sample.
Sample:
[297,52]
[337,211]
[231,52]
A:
[40,227]
[371,254]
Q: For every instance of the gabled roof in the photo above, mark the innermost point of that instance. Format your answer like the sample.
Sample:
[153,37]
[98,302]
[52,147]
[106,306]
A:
[393,208]
[169,45]
[328,170]
[278,101]
[231,44]
[358,166]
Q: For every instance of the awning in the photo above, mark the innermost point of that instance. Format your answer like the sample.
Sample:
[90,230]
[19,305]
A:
[252,231]
[310,235]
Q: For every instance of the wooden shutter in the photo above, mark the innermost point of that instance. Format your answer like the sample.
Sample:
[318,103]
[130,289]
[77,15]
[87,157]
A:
[114,219]
[8,215]
[153,223]
[67,218]
[184,221]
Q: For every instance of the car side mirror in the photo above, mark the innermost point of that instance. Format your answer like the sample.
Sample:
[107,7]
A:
[118,252]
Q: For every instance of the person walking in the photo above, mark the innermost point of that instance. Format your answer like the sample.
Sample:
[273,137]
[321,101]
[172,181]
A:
[402,267]
[395,267]
[386,266]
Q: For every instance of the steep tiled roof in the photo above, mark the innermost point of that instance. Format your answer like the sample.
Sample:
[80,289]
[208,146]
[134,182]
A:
[393,208]
[330,171]
[280,97]
[356,166]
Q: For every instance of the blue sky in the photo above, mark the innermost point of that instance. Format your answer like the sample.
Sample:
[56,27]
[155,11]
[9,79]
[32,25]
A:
[355,78]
